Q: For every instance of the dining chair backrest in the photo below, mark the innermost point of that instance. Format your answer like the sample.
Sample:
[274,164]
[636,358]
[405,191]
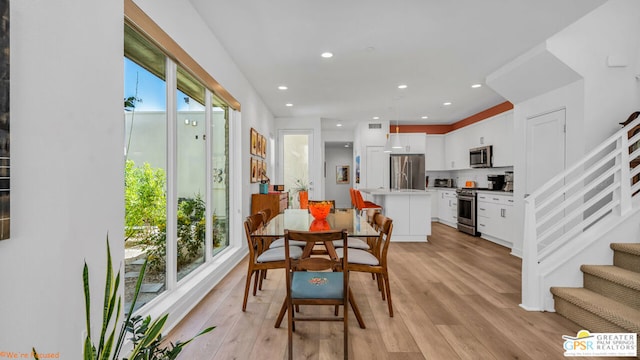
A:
[266,215]
[332,202]
[308,282]
[371,216]
[251,224]
[384,226]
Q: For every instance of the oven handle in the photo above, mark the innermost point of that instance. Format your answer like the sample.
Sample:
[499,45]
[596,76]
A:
[466,197]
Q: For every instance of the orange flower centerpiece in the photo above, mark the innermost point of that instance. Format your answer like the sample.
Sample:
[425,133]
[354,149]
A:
[320,210]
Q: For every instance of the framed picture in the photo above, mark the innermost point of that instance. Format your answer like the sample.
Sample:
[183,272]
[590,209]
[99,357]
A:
[342,174]
[258,144]
[254,142]
[263,147]
[358,169]
[254,170]
[264,171]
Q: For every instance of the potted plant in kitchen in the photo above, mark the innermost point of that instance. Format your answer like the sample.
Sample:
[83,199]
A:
[302,188]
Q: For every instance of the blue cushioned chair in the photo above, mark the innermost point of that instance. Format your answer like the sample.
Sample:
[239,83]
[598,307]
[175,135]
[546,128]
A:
[316,280]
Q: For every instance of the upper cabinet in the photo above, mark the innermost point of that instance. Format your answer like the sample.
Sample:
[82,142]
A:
[456,150]
[435,152]
[496,131]
[412,143]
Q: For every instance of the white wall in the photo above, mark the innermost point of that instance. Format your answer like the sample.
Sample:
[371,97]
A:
[596,104]
[67,165]
[67,169]
[611,93]
[334,191]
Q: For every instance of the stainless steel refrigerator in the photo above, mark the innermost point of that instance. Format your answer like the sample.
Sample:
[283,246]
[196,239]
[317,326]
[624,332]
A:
[407,171]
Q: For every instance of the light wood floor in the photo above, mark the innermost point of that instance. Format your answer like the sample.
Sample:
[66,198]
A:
[455,297]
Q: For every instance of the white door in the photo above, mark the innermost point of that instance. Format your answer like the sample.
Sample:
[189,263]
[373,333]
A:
[295,151]
[545,148]
[377,168]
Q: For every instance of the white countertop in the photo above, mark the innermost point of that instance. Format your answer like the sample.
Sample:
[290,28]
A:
[396,192]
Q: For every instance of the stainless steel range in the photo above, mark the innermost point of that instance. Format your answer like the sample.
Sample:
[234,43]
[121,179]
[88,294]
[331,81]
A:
[467,211]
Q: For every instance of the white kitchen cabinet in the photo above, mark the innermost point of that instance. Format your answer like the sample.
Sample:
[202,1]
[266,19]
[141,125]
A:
[456,150]
[434,204]
[435,153]
[410,211]
[412,143]
[496,131]
[495,218]
[448,207]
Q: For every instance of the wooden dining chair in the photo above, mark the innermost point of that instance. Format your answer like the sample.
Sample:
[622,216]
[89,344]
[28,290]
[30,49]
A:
[375,262]
[316,280]
[261,259]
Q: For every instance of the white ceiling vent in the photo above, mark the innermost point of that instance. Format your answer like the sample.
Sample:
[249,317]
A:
[375,126]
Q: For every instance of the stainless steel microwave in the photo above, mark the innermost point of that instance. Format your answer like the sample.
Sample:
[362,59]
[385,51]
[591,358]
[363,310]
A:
[481,157]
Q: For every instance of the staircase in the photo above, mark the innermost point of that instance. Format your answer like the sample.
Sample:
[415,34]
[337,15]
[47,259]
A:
[568,222]
[610,299]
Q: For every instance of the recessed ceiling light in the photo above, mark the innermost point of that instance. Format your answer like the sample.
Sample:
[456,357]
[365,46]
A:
[282,87]
[446,104]
[376,117]
[326,55]
[289,104]
[403,86]
[338,125]
[346,145]
[425,117]
[475,86]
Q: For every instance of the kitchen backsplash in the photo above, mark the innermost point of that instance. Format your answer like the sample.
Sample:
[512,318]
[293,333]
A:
[461,176]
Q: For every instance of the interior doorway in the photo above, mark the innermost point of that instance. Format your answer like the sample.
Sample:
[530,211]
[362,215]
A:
[295,153]
[339,172]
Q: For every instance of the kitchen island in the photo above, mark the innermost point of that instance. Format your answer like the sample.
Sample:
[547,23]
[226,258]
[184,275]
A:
[409,209]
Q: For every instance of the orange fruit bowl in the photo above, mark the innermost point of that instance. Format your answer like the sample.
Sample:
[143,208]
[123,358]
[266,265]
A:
[319,211]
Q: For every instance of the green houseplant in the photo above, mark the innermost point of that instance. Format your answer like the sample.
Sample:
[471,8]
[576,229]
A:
[146,333]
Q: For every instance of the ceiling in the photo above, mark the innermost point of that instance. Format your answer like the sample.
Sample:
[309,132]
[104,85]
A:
[437,48]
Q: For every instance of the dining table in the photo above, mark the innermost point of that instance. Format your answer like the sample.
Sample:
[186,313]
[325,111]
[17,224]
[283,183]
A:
[301,220]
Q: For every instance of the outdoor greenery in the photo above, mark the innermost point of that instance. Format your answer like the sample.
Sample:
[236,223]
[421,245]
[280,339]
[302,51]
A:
[145,217]
[145,200]
[146,334]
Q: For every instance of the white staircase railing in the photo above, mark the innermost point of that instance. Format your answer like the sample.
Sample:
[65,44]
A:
[603,182]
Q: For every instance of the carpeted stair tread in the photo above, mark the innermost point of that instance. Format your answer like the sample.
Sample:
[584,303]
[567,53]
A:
[631,248]
[614,274]
[608,309]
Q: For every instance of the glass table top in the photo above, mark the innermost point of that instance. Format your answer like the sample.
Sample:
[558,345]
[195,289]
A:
[301,220]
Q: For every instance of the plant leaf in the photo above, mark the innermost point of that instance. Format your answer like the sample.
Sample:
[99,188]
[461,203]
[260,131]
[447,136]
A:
[89,353]
[87,298]
[183,344]
[150,335]
[130,313]
[107,295]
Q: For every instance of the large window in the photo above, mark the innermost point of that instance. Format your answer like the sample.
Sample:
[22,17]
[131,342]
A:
[176,174]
